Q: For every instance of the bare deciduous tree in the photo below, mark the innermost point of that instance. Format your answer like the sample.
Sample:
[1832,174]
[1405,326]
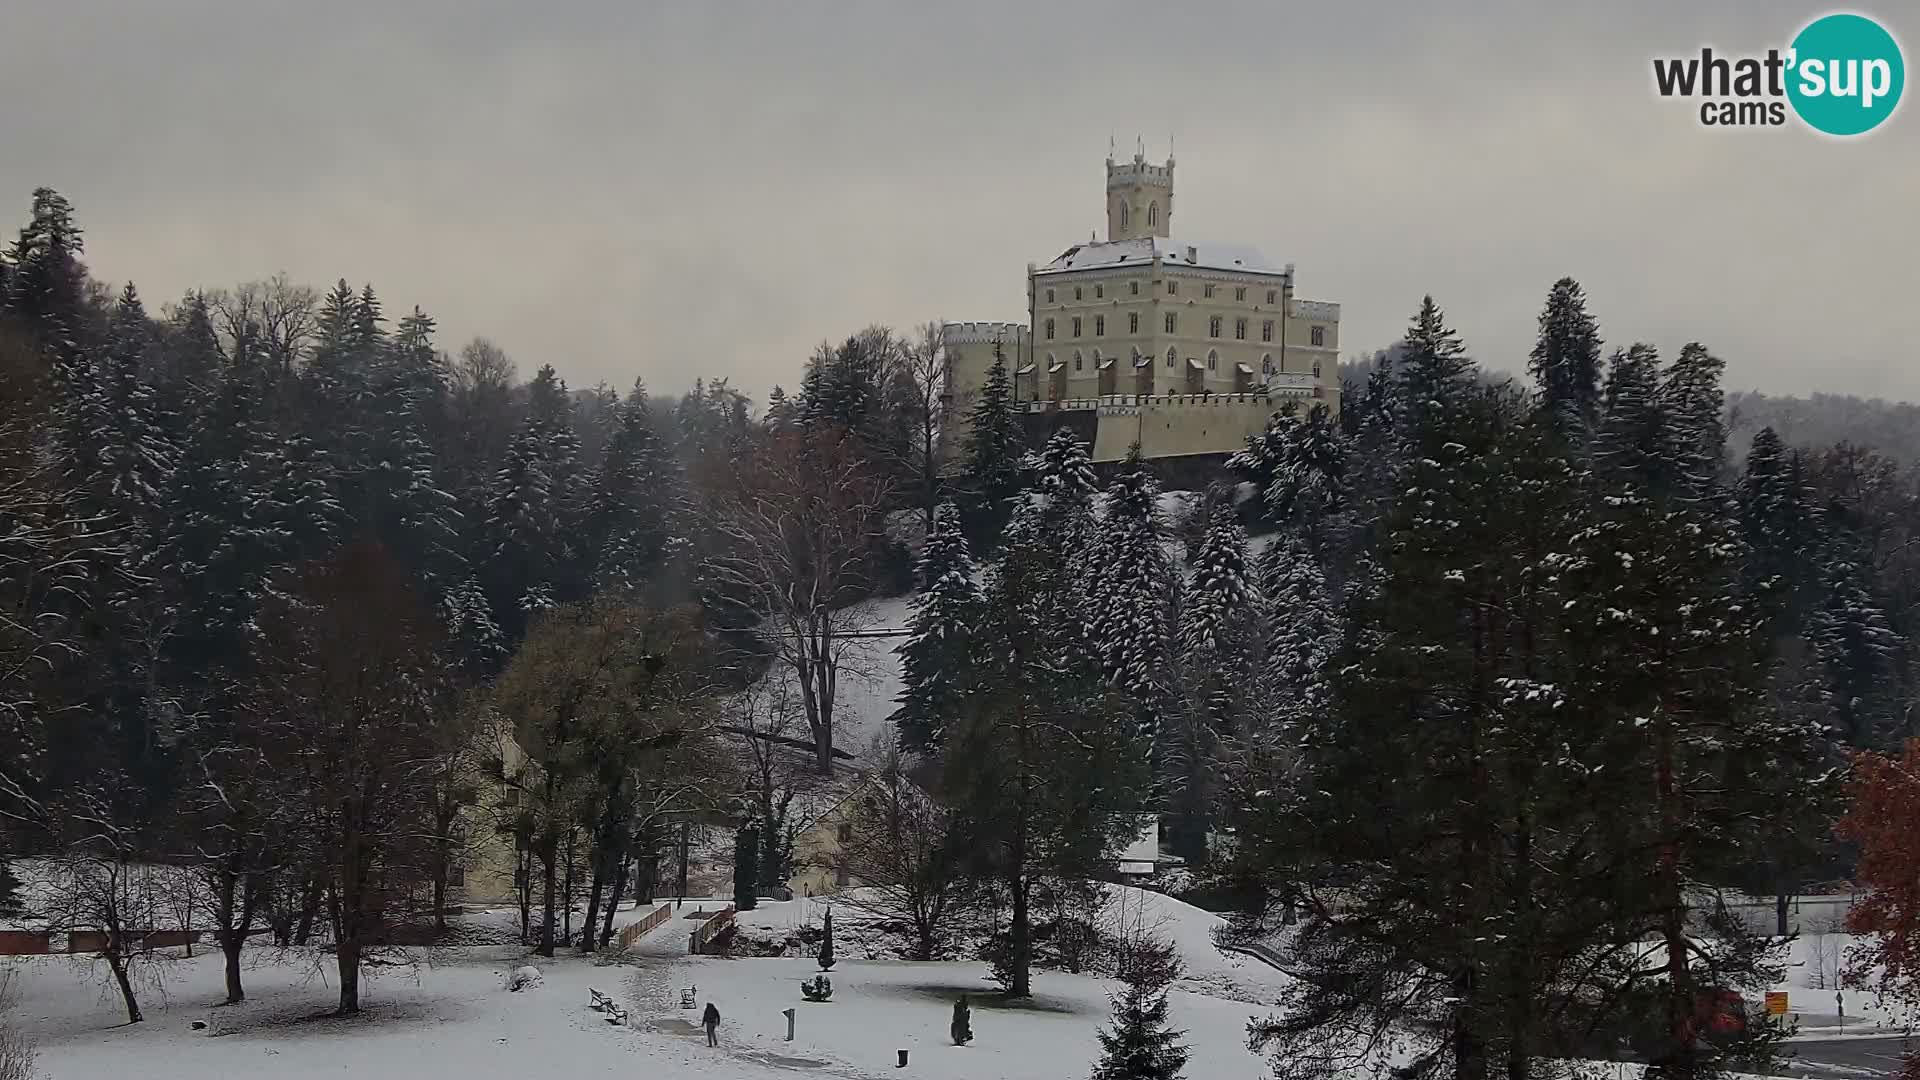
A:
[926,376]
[796,520]
[96,891]
[354,694]
[898,852]
[274,318]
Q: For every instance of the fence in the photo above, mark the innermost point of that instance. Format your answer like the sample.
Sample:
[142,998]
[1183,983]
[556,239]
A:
[635,931]
[698,941]
[41,943]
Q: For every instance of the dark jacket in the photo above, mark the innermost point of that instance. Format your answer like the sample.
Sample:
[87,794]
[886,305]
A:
[711,1016]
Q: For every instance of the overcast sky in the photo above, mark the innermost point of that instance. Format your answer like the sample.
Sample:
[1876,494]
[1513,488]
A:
[622,188]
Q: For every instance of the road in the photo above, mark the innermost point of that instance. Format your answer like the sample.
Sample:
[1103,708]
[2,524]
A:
[1845,1057]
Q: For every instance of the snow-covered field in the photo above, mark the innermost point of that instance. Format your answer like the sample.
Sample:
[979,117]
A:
[454,1016]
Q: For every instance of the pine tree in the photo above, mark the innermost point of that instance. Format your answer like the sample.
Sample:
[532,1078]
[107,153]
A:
[991,474]
[936,654]
[635,507]
[1855,649]
[1433,368]
[1566,359]
[1042,774]
[1218,638]
[1139,1044]
[1128,604]
[826,942]
[746,868]
[1303,630]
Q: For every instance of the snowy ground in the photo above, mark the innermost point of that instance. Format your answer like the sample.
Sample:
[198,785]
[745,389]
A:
[453,1016]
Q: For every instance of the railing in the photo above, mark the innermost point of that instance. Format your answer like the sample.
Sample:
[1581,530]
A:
[698,941]
[635,931]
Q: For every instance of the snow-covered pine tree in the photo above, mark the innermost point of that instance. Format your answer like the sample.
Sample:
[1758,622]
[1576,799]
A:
[135,454]
[1128,602]
[1139,1043]
[1433,367]
[1781,524]
[1303,630]
[936,655]
[1856,649]
[1041,770]
[991,473]
[1219,629]
[1565,361]
[636,503]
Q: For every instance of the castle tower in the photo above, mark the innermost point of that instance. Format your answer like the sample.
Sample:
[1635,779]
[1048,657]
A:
[1139,198]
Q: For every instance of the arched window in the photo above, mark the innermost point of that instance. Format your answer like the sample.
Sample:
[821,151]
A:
[1049,329]
[1153,214]
[1171,358]
[1266,364]
[1077,361]
[1170,322]
[1123,213]
[1213,359]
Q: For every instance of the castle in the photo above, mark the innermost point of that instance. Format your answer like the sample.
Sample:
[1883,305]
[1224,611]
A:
[1184,348]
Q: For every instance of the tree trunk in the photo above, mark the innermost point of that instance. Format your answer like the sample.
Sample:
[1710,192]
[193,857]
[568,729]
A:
[548,855]
[1780,897]
[1680,1061]
[566,893]
[118,963]
[683,861]
[613,902]
[349,954]
[1019,943]
[592,921]
[309,910]
[440,868]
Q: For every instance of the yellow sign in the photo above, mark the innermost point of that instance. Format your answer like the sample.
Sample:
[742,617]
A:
[1776,1003]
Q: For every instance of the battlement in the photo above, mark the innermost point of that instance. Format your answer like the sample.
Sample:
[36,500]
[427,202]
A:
[964,333]
[1138,171]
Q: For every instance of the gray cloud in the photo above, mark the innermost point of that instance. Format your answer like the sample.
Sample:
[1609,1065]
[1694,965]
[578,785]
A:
[711,188]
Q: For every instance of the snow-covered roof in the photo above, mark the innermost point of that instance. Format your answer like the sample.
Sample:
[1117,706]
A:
[1108,362]
[1142,361]
[1145,249]
[1056,366]
[1195,364]
[1243,369]
[1027,370]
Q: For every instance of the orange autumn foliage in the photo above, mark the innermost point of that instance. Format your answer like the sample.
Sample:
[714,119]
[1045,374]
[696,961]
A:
[1883,818]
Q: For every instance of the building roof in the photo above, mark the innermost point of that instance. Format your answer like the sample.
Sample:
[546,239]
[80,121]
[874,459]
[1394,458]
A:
[1145,249]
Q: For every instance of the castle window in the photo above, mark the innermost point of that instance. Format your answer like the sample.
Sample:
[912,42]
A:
[1076,292]
[1320,335]
[1171,359]
[1076,326]
[1213,326]
[1099,292]
[1266,364]
[1273,296]
[1170,322]
[1123,214]
[1153,214]
[1316,369]
[1213,359]
[1173,288]
[1099,326]
[1240,293]
[1134,287]
[1077,361]
[1207,292]
[1133,322]
[1049,296]
[1266,330]
[1239,329]
[1050,329]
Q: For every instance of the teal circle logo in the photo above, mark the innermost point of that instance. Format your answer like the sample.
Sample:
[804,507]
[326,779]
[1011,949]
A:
[1845,74]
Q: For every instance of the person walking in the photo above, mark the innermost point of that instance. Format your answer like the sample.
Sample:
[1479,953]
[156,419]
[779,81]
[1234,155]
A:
[711,1018]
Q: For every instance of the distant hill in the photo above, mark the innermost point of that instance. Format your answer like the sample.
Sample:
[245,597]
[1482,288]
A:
[1891,427]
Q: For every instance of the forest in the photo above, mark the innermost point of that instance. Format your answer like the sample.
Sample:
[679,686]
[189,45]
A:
[1483,694]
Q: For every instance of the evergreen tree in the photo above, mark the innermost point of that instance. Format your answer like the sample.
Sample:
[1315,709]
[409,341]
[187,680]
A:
[746,868]
[1300,464]
[991,473]
[1855,649]
[1219,648]
[1433,368]
[1042,775]
[936,654]
[635,506]
[1128,604]
[46,285]
[1303,630]
[1566,359]
[1139,1044]
[826,942]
